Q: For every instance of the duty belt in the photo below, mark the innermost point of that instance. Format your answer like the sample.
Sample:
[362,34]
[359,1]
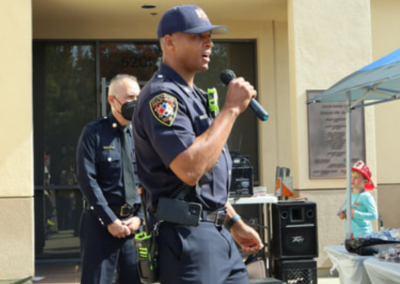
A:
[124,210]
[217,217]
[121,211]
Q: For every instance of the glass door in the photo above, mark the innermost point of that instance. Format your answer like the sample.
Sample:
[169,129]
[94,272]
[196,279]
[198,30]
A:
[139,59]
[70,85]
[64,92]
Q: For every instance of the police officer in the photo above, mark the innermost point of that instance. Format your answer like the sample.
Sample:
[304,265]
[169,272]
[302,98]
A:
[107,181]
[179,145]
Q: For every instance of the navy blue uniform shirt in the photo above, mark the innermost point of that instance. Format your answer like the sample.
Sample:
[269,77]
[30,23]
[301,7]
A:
[99,166]
[169,115]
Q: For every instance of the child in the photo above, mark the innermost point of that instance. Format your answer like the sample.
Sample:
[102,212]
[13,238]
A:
[363,208]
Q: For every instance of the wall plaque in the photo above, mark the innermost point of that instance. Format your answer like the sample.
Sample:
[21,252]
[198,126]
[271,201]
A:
[327,138]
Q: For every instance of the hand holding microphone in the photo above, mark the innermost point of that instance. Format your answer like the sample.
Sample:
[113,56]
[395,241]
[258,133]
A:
[226,77]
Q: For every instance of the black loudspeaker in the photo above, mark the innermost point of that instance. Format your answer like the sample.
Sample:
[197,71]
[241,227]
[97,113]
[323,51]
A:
[294,225]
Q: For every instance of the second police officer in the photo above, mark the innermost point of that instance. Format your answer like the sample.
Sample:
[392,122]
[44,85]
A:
[105,160]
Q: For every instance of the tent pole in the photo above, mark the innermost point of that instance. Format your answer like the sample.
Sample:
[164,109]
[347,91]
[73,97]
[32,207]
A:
[348,161]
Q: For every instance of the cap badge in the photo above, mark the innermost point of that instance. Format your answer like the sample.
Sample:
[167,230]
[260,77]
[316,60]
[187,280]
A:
[164,108]
[359,164]
[201,14]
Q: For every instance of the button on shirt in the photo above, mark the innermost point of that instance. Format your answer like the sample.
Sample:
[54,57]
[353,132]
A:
[100,166]
[157,144]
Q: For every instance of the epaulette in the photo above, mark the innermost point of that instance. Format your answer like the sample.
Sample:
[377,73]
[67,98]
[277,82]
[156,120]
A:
[98,121]
[160,77]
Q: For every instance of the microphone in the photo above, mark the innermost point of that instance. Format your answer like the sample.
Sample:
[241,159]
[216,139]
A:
[227,76]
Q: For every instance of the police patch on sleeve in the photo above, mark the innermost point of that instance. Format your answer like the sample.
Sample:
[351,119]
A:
[164,108]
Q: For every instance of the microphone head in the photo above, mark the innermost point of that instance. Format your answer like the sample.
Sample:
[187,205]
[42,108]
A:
[227,76]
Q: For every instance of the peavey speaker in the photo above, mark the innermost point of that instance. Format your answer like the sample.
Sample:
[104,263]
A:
[294,225]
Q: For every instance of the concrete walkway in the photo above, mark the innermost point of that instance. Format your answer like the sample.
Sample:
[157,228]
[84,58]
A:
[70,274]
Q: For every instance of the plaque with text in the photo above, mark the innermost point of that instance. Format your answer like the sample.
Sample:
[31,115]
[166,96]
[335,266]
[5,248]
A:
[327,137]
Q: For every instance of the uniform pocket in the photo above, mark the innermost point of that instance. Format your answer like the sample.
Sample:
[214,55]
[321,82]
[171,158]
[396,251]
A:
[109,164]
[202,123]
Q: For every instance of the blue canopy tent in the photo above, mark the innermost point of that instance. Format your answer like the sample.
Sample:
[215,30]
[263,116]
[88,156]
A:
[378,82]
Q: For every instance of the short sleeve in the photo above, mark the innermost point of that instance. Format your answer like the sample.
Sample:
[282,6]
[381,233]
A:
[168,125]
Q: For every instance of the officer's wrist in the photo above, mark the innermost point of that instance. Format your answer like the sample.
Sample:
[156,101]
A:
[233,221]
[140,220]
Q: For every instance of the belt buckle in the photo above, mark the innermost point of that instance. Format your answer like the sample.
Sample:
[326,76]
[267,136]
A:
[126,210]
[220,218]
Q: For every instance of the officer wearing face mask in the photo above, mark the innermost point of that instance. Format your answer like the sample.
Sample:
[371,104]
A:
[107,178]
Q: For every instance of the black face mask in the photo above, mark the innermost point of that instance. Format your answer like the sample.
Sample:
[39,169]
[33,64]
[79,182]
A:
[127,109]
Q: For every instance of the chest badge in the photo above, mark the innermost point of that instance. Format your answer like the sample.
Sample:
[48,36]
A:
[164,108]
[108,147]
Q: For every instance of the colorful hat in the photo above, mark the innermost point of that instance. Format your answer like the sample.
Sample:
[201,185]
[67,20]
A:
[361,167]
[187,19]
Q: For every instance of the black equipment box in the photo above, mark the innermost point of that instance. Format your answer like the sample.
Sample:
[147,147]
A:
[242,181]
[301,271]
[368,246]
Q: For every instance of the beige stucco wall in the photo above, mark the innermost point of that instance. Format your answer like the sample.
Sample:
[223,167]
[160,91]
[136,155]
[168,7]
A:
[385,20]
[328,40]
[318,59]
[16,171]
[388,204]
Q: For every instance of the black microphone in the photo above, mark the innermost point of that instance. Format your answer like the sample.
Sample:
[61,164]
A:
[227,76]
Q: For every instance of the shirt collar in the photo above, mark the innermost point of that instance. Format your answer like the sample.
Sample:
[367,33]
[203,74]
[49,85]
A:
[116,126]
[176,78]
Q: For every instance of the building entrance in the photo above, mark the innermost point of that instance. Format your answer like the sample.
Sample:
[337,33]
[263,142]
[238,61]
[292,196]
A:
[70,83]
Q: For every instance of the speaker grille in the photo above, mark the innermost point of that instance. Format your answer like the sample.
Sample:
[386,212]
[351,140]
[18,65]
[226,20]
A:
[294,230]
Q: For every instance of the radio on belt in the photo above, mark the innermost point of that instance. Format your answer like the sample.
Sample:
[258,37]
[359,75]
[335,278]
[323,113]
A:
[242,177]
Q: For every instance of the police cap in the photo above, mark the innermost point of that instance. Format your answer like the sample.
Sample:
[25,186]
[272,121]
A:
[189,19]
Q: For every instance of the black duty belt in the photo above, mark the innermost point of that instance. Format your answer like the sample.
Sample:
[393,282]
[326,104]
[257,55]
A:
[121,211]
[217,217]
[124,210]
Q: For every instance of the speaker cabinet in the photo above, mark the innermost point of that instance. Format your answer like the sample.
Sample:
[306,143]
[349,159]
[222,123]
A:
[294,225]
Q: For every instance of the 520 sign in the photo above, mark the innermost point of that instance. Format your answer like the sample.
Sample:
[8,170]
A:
[137,61]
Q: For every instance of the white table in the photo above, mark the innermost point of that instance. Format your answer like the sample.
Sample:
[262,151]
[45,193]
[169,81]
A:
[261,199]
[265,201]
[382,271]
[350,265]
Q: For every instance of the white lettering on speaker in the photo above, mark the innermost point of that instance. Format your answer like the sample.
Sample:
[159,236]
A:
[297,239]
